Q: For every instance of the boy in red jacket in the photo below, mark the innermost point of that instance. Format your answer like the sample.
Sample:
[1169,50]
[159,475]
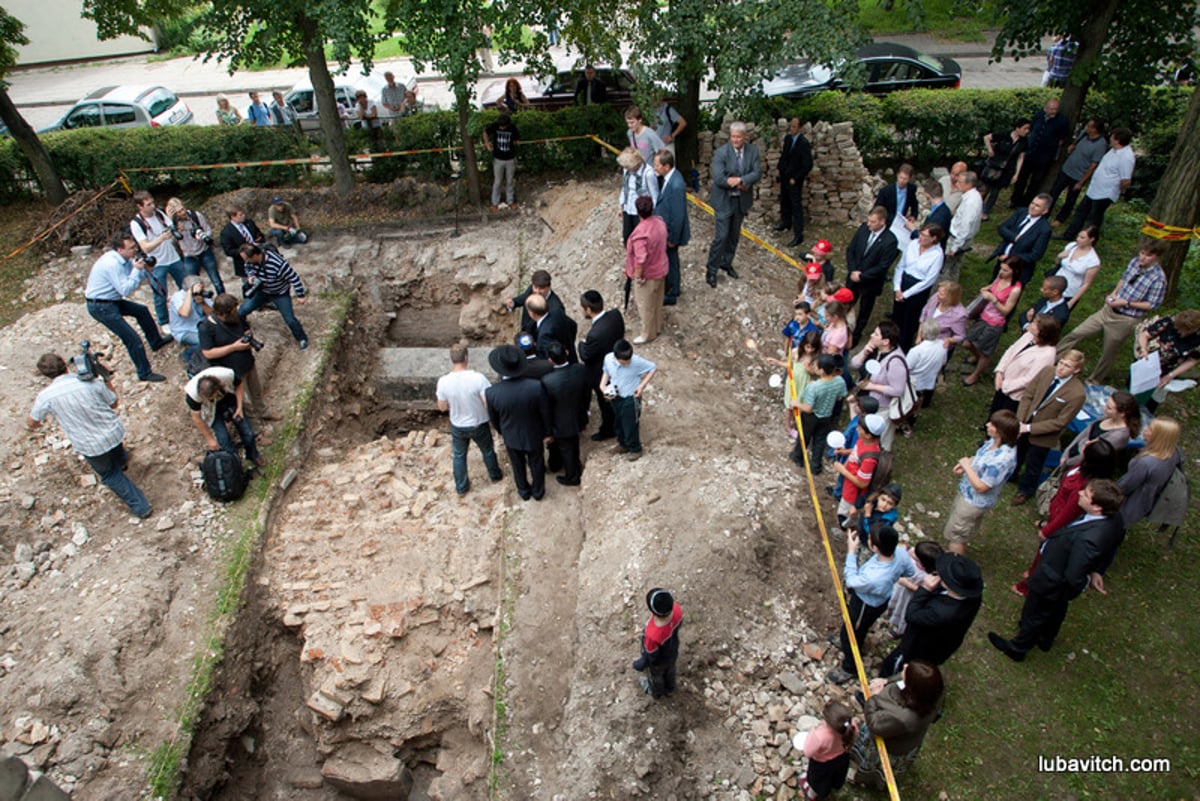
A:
[660,644]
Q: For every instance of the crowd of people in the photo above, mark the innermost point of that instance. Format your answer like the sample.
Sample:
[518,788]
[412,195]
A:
[395,100]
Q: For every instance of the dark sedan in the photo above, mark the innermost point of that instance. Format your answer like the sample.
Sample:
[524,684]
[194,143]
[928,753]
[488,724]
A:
[559,91]
[889,68]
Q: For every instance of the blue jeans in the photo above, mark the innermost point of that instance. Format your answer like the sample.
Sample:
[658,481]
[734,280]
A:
[626,414]
[282,302]
[111,469]
[207,260]
[190,341]
[159,286]
[460,440]
[112,313]
[220,429]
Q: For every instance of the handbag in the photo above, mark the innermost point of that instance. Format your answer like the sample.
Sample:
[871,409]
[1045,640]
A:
[1048,489]
[901,408]
[975,309]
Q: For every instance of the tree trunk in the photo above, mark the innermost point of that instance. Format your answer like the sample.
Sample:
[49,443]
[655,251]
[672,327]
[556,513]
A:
[462,99]
[27,139]
[687,147]
[332,128]
[1177,202]
[1092,39]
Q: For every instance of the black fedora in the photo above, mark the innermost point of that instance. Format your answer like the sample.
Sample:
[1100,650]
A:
[507,360]
[960,575]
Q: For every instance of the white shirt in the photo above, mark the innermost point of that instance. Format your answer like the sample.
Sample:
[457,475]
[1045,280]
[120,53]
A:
[965,223]
[924,267]
[1116,166]
[925,362]
[463,390]
[951,196]
[1075,269]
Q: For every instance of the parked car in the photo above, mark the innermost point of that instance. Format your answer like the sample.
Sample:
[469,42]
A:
[558,91]
[889,67]
[345,87]
[126,106]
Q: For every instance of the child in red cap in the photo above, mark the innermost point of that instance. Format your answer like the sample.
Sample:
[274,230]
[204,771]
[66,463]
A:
[660,644]
[820,255]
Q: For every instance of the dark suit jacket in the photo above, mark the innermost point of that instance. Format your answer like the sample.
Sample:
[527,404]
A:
[875,263]
[672,207]
[1060,312]
[536,366]
[1047,422]
[936,625]
[795,160]
[724,166]
[1072,553]
[232,239]
[605,332]
[553,303]
[520,410]
[941,215]
[599,91]
[570,396]
[556,327]
[1030,247]
[887,199]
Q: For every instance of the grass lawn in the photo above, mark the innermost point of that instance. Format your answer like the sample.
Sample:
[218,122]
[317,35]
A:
[1119,677]
[963,20]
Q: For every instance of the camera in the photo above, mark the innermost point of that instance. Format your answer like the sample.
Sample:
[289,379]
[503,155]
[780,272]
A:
[175,232]
[87,366]
[149,261]
[202,235]
[203,293]
[254,343]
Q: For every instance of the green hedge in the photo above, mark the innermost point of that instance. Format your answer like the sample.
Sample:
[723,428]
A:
[930,127]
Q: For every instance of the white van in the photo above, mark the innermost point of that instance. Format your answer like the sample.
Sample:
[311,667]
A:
[345,87]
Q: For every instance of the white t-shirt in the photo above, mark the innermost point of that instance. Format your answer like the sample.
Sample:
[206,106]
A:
[146,229]
[463,390]
[925,362]
[1075,269]
[1116,166]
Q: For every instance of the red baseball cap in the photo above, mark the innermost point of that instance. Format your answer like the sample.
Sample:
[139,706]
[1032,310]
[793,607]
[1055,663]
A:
[823,247]
[812,270]
[843,295]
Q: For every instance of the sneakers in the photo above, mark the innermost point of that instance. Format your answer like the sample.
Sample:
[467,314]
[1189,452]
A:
[162,343]
[639,340]
[633,456]
[304,344]
[838,676]
[166,329]
[502,206]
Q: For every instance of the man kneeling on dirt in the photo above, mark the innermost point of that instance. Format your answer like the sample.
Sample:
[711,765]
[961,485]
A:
[214,398]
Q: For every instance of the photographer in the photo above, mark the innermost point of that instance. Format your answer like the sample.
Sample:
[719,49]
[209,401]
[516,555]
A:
[226,341]
[240,230]
[156,236]
[196,242]
[115,276]
[85,413]
[187,308]
[271,281]
[214,398]
[283,224]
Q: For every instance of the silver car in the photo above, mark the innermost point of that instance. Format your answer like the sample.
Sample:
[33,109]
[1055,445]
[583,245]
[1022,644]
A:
[127,106]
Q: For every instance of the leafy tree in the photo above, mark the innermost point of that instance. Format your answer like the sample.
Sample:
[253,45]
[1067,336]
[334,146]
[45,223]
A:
[447,35]
[11,35]
[266,31]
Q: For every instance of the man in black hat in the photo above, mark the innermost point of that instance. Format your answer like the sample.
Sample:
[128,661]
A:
[660,644]
[608,327]
[566,386]
[939,615]
[1071,558]
[519,409]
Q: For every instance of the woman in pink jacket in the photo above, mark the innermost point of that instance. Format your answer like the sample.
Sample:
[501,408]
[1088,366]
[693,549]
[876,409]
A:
[1024,359]
[646,266]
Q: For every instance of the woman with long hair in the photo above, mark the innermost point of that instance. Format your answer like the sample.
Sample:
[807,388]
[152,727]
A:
[227,114]
[900,710]
[1078,263]
[983,335]
[1121,422]
[514,96]
[1150,470]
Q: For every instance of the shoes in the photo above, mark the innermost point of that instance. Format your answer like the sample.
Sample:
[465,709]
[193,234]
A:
[525,495]
[166,329]
[668,301]
[269,417]
[619,448]
[567,483]
[780,227]
[1019,499]
[796,242]
[1017,589]
[644,683]
[1005,647]
[639,340]
[497,478]
[304,344]
[503,206]
[967,383]
[539,496]
[895,635]
[512,205]
[834,639]
[711,280]
[162,343]
[1045,645]
[495,208]
[152,378]
[261,461]
[633,456]
[600,436]
[831,492]
[838,676]
[732,272]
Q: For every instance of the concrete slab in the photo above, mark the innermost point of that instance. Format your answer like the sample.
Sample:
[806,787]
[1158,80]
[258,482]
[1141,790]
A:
[407,377]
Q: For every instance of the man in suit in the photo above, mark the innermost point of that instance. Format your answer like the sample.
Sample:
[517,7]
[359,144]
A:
[900,200]
[939,615]
[539,284]
[239,231]
[939,212]
[735,171]
[535,366]
[550,327]
[520,410]
[672,207]
[1071,558]
[566,386]
[608,327]
[1024,237]
[590,90]
[869,256]
[1049,132]
[1048,405]
[795,163]
[1051,302]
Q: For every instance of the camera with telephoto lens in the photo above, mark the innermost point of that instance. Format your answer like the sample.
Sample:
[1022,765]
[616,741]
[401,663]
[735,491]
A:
[87,366]
[149,261]
[175,232]
[254,343]
[203,293]
[202,235]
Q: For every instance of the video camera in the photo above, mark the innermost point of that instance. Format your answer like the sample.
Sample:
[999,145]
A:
[87,366]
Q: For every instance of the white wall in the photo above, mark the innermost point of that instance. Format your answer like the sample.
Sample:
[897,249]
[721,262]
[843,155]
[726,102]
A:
[57,32]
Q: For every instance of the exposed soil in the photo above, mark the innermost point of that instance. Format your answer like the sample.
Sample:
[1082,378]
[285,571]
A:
[382,604]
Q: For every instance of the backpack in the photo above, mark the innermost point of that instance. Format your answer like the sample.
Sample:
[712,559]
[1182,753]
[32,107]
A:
[224,477]
[196,363]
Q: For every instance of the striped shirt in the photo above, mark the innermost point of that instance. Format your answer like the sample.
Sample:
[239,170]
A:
[84,413]
[275,275]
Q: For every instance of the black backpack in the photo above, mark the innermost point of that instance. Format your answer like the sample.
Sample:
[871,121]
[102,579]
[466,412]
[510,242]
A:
[224,477]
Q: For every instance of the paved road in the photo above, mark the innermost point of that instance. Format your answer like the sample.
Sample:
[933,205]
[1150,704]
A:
[43,94]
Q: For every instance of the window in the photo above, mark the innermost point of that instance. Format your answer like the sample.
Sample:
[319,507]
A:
[157,101]
[119,114]
[87,116]
[302,101]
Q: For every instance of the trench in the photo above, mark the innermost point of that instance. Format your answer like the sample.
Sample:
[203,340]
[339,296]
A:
[258,737]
